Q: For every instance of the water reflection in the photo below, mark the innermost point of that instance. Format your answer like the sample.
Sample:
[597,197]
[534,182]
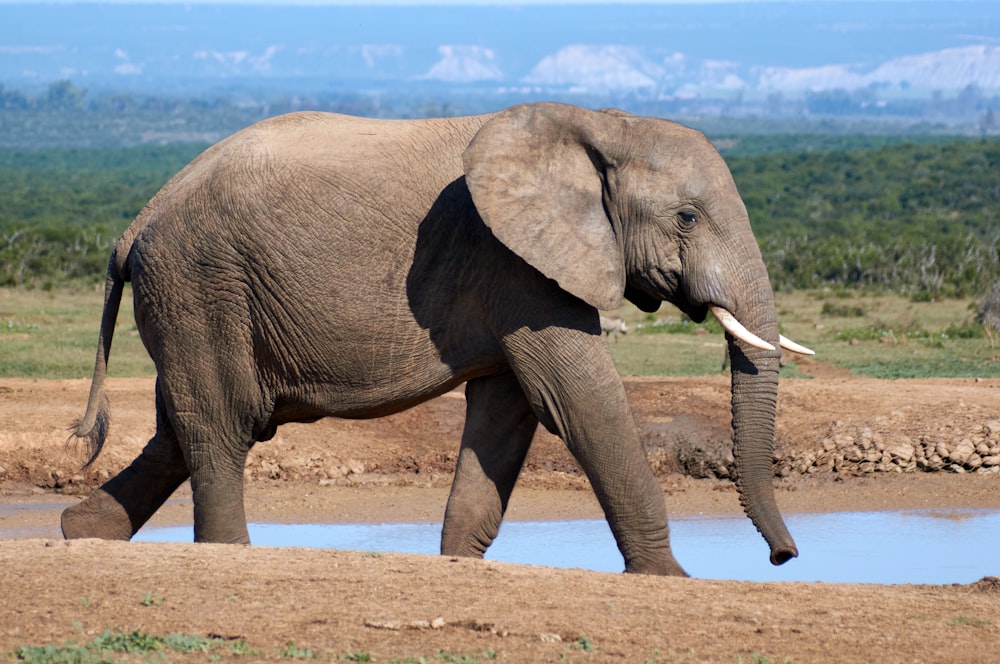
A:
[849,547]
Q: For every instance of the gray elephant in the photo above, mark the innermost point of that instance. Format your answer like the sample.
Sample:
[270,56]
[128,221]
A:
[317,265]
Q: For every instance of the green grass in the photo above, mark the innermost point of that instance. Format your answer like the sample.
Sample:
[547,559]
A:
[889,336]
[53,334]
[107,647]
[139,646]
[879,335]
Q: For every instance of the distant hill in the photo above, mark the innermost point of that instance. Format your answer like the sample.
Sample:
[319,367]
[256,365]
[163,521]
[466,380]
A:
[908,49]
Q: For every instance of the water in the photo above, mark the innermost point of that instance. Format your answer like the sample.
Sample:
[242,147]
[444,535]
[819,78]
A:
[927,546]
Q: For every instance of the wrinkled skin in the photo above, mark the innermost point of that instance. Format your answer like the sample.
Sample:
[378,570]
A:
[319,265]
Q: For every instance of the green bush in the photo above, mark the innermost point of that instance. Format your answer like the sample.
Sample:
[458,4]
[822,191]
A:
[921,220]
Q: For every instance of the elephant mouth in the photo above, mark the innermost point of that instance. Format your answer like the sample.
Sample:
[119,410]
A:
[697,313]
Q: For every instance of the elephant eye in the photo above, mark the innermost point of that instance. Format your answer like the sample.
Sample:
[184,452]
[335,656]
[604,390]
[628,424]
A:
[689,219]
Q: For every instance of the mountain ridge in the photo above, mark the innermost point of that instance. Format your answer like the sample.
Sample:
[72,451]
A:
[683,50]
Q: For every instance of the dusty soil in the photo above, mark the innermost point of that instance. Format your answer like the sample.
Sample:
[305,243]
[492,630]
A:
[394,607]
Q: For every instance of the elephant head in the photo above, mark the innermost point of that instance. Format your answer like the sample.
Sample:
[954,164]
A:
[647,210]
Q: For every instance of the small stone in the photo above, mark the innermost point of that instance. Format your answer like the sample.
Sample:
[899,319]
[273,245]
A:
[904,452]
[962,451]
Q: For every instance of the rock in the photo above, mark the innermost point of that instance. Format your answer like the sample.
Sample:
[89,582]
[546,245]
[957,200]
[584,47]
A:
[961,453]
[903,452]
[992,428]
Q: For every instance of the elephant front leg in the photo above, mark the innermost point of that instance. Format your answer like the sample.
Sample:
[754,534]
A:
[499,427]
[612,457]
[571,381]
[124,503]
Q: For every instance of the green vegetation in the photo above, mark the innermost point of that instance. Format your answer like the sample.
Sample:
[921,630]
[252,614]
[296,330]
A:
[877,334]
[754,145]
[293,651]
[919,219]
[149,599]
[877,246]
[966,621]
[62,210]
[53,334]
[113,646]
[147,647]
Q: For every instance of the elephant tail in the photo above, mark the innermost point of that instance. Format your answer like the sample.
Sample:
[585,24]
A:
[92,428]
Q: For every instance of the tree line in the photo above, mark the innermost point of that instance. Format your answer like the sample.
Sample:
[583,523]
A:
[923,220]
[920,219]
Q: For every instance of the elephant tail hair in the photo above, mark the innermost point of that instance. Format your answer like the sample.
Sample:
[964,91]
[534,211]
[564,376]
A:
[92,428]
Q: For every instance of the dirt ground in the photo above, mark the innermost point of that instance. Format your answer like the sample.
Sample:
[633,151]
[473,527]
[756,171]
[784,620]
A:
[388,607]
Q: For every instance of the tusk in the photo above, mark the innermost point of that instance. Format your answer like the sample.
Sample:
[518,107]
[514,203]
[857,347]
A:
[735,328]
[788,344]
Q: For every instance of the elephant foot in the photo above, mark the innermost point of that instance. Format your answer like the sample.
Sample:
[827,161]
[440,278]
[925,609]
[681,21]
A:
[99,516]
[668,567]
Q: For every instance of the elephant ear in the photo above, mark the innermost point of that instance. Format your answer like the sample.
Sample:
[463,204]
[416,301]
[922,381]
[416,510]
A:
[539,181]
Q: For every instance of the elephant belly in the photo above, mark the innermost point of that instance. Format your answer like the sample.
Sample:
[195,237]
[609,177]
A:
[350,374]
[359,398]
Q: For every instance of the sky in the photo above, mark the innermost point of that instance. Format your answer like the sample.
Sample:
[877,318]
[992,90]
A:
[427,2]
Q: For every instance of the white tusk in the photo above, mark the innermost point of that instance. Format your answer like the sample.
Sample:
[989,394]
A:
[735,328]
[788,344]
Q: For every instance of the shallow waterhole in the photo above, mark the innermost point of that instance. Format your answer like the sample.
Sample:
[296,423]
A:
[925,546]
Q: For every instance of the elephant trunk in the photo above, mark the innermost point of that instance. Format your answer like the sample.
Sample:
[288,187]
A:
[754,404]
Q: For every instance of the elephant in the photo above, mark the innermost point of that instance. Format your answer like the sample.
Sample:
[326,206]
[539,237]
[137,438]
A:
[320,265]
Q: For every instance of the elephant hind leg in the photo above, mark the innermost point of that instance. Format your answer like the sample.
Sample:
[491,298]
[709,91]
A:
[124,503]
[216,450]
[499,427]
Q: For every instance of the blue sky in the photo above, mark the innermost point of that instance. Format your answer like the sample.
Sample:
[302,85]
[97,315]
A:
[424,2]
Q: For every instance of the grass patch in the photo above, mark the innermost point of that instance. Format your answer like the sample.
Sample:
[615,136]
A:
[138,646]
[874,334]
[148,647]
[966,621]
[53,334]
[895,337]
